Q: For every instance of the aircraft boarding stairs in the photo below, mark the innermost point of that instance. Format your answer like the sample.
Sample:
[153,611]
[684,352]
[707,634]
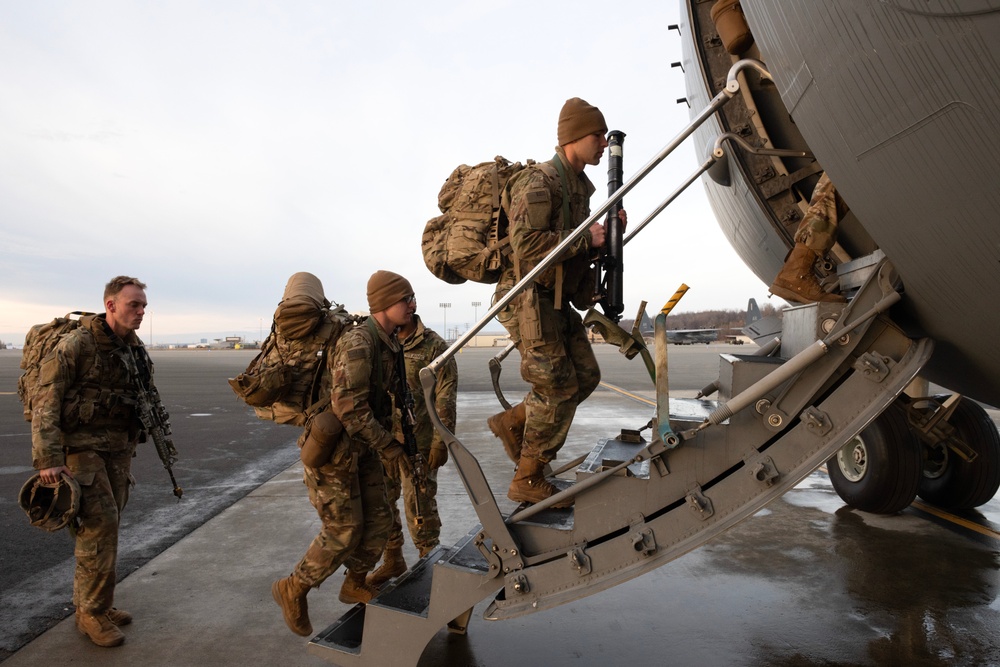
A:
[640,503]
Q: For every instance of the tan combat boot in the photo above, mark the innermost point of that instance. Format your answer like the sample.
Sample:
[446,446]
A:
[796,281]
[392,565]
[355,589]
[99,629]
[119,617]
[509,427]
[530,486]
[290,594]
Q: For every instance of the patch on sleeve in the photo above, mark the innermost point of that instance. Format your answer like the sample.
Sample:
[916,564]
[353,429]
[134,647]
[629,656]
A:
[49,370]
[537,196]
[356,353]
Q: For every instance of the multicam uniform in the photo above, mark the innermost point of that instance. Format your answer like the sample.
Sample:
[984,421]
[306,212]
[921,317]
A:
[556,357]
[349,491]
[84,418]
[818,229]
[419,350]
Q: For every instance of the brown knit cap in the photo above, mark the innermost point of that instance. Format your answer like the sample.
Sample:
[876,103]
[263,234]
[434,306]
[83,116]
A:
[578,119]
[386,288]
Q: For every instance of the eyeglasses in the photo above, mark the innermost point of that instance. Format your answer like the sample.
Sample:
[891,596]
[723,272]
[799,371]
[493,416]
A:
[409,299]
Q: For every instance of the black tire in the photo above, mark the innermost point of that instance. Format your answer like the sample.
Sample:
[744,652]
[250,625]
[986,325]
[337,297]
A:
[879,470]
[950,482]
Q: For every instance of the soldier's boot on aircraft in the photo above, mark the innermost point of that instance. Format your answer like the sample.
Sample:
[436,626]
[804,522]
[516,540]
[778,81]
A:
[529,484]
[99,629]
[119,617]
[392,565]
[355,589]
[290,594]
[796,281]
[509,427]
[425,550]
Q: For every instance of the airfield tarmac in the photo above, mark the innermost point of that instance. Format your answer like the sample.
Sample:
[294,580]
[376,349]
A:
[806,581]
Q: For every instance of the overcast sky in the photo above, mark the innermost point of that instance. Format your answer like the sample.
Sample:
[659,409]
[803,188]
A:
[214,148]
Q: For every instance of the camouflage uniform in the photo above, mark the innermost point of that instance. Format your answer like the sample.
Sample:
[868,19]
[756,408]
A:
[818,229]
[556,356]
[349,491]
[84,419]
[419,350]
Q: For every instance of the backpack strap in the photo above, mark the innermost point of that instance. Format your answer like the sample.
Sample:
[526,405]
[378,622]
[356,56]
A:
[325,331]
[565,221]
[379,399]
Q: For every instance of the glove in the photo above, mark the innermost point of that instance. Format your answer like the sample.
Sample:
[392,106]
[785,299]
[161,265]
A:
[438,456]
[395,461]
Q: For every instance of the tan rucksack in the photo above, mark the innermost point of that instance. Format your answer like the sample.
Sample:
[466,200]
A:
[469,240]
[289,380]
[41,339]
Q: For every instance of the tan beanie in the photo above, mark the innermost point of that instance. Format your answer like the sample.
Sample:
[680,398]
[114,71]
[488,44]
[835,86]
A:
[578,119]
[386,288]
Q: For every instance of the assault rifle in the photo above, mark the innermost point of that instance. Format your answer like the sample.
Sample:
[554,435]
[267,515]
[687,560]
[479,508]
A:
[408,421]
[609,290]
[155,420]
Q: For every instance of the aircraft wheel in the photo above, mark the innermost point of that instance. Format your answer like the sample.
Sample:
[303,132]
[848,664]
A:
[950,482]
[878,470]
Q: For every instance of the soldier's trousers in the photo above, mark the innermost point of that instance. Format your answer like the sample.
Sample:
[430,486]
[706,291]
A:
[427,535]
[818,228]
[104,489]
[349,495]
[562,371]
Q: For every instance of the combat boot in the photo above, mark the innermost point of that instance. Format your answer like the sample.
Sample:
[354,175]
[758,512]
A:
[290,594]
[392,565]
[119,617]
[796,281]
[355,589]
[99,629]
[530,486]
[509,427]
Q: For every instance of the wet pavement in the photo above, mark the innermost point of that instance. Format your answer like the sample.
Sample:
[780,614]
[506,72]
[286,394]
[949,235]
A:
[806,581]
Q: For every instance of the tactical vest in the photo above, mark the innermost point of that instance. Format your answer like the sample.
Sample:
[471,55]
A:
[103,394]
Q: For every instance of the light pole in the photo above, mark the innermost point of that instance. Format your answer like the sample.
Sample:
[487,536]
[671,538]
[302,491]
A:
[476,304]
[444,309]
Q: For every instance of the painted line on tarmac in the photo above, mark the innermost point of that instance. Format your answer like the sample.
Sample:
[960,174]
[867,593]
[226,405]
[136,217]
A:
[956,520]
[629,394]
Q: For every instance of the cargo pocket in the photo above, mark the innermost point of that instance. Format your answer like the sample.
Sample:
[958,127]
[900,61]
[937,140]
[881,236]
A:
[537,324]
[84,466]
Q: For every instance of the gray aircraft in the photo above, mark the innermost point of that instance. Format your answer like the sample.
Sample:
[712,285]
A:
[898,102]
[679,336]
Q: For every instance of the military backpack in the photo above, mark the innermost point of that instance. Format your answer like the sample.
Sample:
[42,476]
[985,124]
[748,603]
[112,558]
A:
[468,241]
[41,339]
[288,380]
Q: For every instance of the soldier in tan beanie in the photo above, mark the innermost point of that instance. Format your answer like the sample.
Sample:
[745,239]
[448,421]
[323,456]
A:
[348,492]
[544,203]
[386,288]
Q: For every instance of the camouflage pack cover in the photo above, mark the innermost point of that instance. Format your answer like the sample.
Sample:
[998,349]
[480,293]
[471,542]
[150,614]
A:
[468,241]
[41,339]
[288,379]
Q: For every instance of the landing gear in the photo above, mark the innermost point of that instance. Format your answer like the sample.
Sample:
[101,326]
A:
[878,470]
[950,482]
